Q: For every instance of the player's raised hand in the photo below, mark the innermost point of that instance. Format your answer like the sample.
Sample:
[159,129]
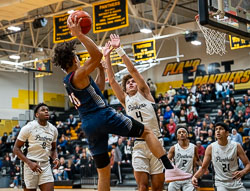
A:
[106,50]
[115,41]
[74,26]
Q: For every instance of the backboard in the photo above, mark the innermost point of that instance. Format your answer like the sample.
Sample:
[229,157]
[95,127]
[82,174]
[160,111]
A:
[228,16]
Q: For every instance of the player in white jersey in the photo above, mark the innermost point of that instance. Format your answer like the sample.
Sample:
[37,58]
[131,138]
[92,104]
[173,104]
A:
[138,102]
[224,155]
[41,136]
[185,156]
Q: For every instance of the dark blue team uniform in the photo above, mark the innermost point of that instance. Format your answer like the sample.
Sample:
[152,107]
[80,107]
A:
[98,119]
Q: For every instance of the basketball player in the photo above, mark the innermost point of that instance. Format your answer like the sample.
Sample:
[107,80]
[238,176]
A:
[138,102]
[41,136]
[185,156]
[98,120]
[224,155]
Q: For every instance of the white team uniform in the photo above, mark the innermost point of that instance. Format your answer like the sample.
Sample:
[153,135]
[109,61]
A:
[142,110]
[183,159]
[39,139]
[225,163]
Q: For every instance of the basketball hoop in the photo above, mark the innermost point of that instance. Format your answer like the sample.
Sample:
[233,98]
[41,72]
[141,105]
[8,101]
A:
[215,40]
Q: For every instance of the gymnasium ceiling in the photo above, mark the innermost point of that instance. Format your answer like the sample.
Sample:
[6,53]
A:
[31,43]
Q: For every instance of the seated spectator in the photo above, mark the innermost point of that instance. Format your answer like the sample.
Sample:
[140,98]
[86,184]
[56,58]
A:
[223,105]
[197,104]
[159,98]
[247,112]
[53,118]
[16,177]
[183,104]
[15,131]
[168,114]
[171,129]
[228,88]
[220,91]
[207,119]
[70,169]
[231,119]
[60,173]
[246,128]
[209,139]
[210,92]
[152,87]
[190,99]
[175,118]
[204,130]
[236,137]
[246,147]
[71,121]
[239,120]
[113,139]
[61,129]
[240,107]
[171,93]
[177,108]
[192,115]
[201,150]
[181,93]
[228,108]
[191,135]
[233,103]
[61,144]
[183,118]
[77,152]
[128,152]
[246,100]
[219,117]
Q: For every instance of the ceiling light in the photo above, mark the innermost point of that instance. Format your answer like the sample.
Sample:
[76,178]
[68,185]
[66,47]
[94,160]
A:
[71,11]
[10,63]
[39,23]
[196,42]
[145,30]
[14,28]
[14,57]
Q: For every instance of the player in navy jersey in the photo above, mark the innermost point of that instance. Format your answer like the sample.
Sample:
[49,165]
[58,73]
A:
[98,120]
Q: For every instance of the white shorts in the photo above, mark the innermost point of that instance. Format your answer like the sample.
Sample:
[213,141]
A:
[33,179]
[144,161]
[234,185]
[184,185]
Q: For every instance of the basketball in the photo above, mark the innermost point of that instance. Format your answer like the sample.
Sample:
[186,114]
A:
[86,20]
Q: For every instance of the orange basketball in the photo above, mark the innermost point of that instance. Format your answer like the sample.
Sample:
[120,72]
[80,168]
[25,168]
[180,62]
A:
[86,21]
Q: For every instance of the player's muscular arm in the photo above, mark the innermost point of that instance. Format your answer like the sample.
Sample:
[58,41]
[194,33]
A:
[205,164]
[142,85]
[171,153]
[95,54]
[197,160]
[241,154]
[53,155]
[17,151]
[113,83]
[100,78]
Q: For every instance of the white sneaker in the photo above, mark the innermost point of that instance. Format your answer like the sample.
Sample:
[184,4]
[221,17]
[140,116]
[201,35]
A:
[176,174]
[12,185]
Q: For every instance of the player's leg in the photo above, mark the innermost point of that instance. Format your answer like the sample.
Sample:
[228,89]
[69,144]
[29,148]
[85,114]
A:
[47,186]
[30,180]
[188,186]
[157,181]
[142,180]
[174,186]
[103,170]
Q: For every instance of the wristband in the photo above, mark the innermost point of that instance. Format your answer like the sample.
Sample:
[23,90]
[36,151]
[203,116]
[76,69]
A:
[120,51]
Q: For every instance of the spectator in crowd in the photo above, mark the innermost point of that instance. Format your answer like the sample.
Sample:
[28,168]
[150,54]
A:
[121,145]
[236,137]
[201,149]
[233,103]
[77,152]
[247,112]
[219,91]
[191,135]
[53,118]
[183,118]
[160,98]
[181,93]
[171,126]
[219,117]
[116,168]
[84,165]
[15,131]
[228,108]
[190,99]
[246,147]
[61,173]
[239,120]
[246,128]
[71,122]
[175,118]
[113,139]
[177,108]
[231,119]
[207,119]
[152,87]
[16,177]
[228,88]
[209,139]
[61,144]
[171,93]
[168,114]
[61,129]
[70,169]
[223,105]
[197,104]
[240,107]
[128,152]
[192,115]
[246,100]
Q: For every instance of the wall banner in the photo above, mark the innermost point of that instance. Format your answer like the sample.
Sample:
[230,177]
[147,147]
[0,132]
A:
[236,43]
[144,50]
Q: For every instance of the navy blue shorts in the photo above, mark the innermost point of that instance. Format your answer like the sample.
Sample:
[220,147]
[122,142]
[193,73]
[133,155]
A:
[98,125]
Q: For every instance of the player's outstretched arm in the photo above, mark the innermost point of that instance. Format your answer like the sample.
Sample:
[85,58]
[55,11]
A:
[100,78]
[197,160]
[171,153]
[142,85]
[113,83]
[94,52]
[242,155]
[205,164]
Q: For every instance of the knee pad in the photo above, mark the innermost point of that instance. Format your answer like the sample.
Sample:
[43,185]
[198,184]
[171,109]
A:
[101,160]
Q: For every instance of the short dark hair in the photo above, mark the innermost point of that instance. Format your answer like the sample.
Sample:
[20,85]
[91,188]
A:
[38,106]
[179,127]
[124,81]
[63,55]
[222,124]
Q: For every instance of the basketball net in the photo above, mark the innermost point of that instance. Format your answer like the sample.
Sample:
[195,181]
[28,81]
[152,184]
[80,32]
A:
[215,40]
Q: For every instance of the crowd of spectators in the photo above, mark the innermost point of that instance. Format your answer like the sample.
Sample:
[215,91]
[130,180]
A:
[174,108]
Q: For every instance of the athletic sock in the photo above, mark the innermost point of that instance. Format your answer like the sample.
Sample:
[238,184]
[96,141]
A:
[166,162]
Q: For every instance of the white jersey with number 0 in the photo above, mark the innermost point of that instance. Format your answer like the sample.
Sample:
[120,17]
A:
[142,110]
[39,139]
[184,158]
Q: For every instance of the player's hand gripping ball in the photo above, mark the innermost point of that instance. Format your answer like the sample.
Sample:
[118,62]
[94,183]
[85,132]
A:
[86,21]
